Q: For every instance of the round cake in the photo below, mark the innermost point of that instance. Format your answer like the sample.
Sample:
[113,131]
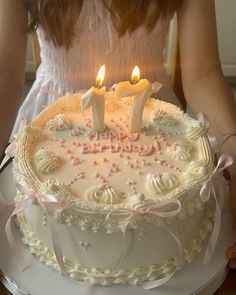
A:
[128,206]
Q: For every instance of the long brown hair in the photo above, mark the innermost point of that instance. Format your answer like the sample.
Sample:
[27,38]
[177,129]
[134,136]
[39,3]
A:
[58,17]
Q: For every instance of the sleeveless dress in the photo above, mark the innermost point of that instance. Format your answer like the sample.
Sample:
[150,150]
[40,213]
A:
[96,42]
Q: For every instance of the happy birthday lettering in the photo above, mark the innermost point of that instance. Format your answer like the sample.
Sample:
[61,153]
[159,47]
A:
[113,135]
[142,150]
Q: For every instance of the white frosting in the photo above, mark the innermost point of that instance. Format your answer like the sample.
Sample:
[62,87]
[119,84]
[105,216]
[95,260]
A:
[58,123]
[103,195]
[161,183]
[159,116]
[113,156]
[181,151]
[195,128]
[156,114]
[46,161]
[159,248]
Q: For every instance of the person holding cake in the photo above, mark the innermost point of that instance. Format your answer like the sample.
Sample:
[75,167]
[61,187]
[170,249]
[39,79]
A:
[76,37]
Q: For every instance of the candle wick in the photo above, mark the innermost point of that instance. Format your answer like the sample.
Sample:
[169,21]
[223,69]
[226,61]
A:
[99,86]
[134,81]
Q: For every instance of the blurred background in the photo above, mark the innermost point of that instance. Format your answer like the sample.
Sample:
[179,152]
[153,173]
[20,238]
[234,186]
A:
[225,14]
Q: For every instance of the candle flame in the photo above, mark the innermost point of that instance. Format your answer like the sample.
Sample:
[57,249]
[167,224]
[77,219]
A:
[135,75]
[100,76]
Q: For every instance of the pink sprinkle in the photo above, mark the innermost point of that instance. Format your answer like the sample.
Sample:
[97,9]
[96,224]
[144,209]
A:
[103,180]
[130,181]
[162,162]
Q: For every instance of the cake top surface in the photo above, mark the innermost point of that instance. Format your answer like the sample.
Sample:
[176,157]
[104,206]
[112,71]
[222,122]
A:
[59,153]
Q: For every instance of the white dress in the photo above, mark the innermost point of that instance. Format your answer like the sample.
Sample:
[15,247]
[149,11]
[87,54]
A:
[96,43]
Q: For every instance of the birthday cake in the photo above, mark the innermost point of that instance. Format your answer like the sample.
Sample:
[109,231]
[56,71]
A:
[125,206]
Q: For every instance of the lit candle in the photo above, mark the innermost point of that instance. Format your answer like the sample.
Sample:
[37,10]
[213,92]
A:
[95,97]
[142,90]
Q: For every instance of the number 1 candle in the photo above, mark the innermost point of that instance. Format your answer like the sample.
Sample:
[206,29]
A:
[95,97]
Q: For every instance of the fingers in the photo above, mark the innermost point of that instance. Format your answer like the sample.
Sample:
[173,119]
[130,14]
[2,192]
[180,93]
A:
[231,256]
[233,200]
[232,263]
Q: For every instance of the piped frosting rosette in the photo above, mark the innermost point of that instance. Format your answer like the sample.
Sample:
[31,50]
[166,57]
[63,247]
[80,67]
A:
[159,183]
[47,161]
[182,151]
[103,194]
[58,123]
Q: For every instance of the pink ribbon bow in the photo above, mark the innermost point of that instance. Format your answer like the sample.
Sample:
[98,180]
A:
[49,203]
[10,151]
[206,191]
[154,212]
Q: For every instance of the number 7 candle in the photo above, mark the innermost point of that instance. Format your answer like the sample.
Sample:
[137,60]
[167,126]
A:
[142,90]
[95,97]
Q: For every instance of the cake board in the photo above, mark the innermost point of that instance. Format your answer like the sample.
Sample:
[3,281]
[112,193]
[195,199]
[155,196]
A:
[39,279]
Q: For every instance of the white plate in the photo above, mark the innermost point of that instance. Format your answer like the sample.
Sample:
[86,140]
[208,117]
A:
[39,279]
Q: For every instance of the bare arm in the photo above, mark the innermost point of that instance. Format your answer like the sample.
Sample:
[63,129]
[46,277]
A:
[204,86]
[203,82]
[13,36]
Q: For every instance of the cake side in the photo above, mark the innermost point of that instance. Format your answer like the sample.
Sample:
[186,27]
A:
[91,257]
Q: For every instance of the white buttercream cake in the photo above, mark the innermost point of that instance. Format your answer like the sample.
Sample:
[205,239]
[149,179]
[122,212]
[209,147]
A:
[132,211]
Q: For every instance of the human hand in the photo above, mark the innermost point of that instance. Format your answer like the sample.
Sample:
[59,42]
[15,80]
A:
[233,196]
[231,251]
[231,256]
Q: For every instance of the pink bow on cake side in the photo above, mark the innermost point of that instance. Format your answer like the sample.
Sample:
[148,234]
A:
[209,189]
[155,212]
[10,151]
[49,203]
